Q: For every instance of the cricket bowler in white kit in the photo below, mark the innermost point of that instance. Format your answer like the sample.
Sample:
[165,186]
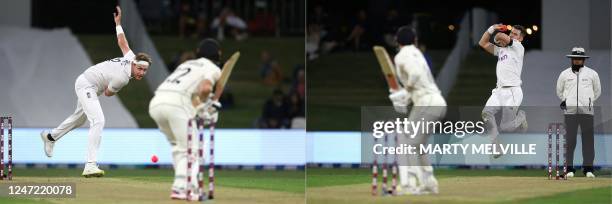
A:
[177,100]
[106,78]
[419,88]
[507,95]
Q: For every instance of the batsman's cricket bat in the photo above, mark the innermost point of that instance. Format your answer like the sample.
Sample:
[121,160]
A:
[226,71]
[386,66]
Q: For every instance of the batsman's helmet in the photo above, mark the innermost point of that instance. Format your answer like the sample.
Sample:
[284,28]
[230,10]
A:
[209,49]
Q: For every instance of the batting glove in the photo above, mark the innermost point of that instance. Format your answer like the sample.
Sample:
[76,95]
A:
[400,100]
[211,114]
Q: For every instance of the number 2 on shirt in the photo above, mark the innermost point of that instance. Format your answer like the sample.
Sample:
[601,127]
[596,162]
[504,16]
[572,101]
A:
[181,72]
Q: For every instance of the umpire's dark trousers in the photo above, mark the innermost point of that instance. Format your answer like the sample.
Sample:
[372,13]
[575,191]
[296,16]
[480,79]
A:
[585,122]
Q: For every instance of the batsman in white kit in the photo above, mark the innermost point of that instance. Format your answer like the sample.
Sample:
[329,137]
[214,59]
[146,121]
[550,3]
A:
[106,78]
[419,88]
[187,92]
[507,95]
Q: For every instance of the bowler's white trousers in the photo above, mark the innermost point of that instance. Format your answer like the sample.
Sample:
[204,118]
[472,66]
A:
[88,107]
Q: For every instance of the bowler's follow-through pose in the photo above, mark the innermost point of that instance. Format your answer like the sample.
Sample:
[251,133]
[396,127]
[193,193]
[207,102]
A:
[507,95]
[106,78]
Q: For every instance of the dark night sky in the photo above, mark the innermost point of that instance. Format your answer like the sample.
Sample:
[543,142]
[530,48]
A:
[441,13]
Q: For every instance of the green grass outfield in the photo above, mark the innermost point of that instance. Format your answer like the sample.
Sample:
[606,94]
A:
[461,186]
[322,186]
[153,186]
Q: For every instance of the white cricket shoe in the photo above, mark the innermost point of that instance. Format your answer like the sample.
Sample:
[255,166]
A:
[495,156]
[569,174]
[430,185]
[92,170]
[523,127]
[178,195]
[408,190]
[48,144]
[590,175]
[195,197]
[499,147]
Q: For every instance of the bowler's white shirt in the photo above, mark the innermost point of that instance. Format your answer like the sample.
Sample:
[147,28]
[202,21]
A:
[509,64]
[113,74]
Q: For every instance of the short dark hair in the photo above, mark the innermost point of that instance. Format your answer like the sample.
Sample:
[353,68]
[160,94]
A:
[405,35]
[521,28]
[209,49]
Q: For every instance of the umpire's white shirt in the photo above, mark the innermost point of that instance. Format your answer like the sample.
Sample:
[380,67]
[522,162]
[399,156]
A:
[113,74]
[579,90]
[509,64]
[414,73]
